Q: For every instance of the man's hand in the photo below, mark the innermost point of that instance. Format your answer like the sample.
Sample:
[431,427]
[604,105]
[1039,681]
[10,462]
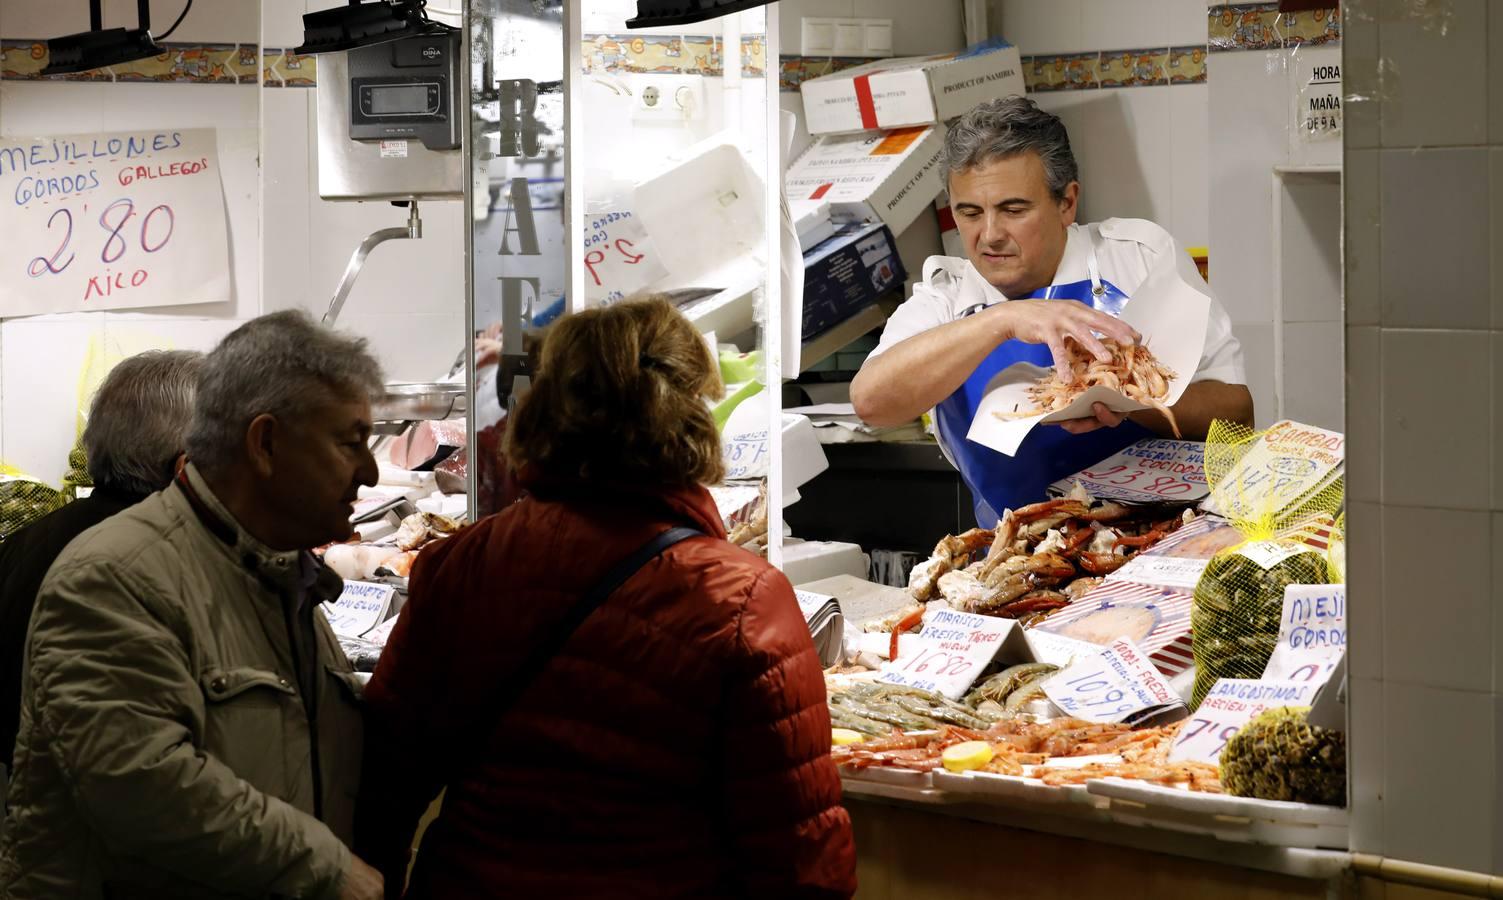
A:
[1103,417]
[1049,322]
[361,882]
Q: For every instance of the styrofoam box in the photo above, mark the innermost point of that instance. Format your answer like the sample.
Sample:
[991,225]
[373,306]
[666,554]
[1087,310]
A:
[880,176]
[805,561]
[916,90]
[1016,787]
[1240,819]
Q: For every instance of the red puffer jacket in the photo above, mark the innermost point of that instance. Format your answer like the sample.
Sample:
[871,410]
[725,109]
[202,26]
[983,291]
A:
[677,747]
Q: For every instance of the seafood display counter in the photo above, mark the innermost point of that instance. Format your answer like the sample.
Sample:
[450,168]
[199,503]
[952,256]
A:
[1107,681]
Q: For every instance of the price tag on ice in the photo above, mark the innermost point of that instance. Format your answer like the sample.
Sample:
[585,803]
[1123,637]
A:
[1113,685]
[1232,703]
[619,258]
[1151,471]
[1312,634]
[359,607]
[956,647]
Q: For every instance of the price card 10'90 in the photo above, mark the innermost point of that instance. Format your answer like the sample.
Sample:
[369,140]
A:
[956,647]
[1119,684]
[1230,704]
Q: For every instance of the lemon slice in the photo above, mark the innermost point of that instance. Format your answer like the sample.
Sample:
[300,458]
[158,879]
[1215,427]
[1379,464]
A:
[840,737]
[967,756]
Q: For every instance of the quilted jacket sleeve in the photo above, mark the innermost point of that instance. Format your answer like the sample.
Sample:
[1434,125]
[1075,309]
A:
[404,762]
[789,835]
[112,692]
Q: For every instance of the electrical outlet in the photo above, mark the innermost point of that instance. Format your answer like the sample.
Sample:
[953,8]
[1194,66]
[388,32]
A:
[668,98]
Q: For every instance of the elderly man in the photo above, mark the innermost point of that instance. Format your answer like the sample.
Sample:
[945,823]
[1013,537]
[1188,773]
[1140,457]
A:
[138,420]
[189,724]
[1014,188]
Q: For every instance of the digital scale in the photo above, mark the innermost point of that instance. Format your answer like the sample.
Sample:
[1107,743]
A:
[406,89]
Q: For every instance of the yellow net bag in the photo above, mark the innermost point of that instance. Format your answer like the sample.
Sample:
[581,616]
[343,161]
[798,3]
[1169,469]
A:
[1282,489]
[23,500]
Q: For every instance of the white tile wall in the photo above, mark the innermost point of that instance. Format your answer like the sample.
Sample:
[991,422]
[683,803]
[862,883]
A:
[1259,352]
[1189,163]
[1361,81]
[41,360]
[1437,805]
[1113,25]
[1449,644]
[1313,373]
[1496,595]
[1365,588]
[1365,763]
[1249,110]
[1413,418]
[1446,266]
[1310,252]
[1362,238]
[1434,51]
[1364,413]
[1042,26]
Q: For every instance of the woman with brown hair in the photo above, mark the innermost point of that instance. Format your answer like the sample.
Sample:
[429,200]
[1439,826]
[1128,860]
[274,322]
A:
[609,718]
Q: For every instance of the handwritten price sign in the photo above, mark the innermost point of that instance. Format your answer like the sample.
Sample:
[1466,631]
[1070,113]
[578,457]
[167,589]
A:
[619,257]
[1312,634]
[1232,703]
[110,221]
[956,648]
[1150,471]
[1114,685]
[359,607]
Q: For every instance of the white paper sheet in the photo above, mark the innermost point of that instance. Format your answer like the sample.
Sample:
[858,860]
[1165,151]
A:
[1167,311]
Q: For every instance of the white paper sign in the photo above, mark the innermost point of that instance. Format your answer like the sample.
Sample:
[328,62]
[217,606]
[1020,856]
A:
[956,647]
[1113,685]
[1166,310]
[111,221]
[1288,462]
[619,257]
[358,609]
[1162,571]
[1058,650]
[1154,470]
[1318,110]
[1232,703]
[1312,634]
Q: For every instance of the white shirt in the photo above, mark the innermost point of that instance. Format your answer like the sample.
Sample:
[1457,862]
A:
[1129,248]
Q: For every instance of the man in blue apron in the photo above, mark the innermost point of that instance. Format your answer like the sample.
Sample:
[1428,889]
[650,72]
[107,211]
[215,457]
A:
[1031,279]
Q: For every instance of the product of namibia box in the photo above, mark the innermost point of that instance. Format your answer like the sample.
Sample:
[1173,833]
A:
[918,90]
[848,273]
[878,176]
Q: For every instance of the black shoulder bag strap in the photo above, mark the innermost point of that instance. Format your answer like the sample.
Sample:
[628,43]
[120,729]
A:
[552,642]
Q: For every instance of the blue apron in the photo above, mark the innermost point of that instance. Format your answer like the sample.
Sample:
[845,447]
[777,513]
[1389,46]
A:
[1049,453]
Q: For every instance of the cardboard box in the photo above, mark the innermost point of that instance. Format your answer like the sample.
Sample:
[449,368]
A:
[847,273]
[894,93]
[886,177]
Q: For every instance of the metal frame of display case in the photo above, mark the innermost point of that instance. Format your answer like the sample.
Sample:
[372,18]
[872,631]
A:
[768,301]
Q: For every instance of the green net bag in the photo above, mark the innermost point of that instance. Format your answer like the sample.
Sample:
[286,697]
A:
[1239,600]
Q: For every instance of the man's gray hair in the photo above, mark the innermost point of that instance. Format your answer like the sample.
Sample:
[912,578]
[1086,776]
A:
[282,364]
[138,420]
[1006,127]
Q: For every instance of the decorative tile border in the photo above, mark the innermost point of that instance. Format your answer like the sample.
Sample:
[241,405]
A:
[626,54]
[283,68]
[1134,68]
[795,70]
[24,60]
[1187,65]
[1260,26]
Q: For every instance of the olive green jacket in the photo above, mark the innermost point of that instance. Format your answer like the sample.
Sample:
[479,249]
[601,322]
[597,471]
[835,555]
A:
[165,750]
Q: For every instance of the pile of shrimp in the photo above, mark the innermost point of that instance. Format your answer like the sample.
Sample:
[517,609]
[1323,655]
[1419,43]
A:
[1132,371]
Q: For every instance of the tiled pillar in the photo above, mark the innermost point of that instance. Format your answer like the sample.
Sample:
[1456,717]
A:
[1422,363]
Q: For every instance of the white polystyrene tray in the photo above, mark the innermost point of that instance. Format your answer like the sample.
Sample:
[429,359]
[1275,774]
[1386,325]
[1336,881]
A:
[861,787]
[908,778]
[1241,819]
[1014,787]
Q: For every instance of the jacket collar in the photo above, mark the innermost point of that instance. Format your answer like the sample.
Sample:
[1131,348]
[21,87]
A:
[693,506]
[287,572]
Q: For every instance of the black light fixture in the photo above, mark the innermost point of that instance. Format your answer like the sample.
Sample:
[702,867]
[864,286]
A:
[658,13]
[362,24]
[99,47]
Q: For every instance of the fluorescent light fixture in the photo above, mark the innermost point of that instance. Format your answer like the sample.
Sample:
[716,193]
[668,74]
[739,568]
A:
[98,47]
[363,24]
[658,13]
